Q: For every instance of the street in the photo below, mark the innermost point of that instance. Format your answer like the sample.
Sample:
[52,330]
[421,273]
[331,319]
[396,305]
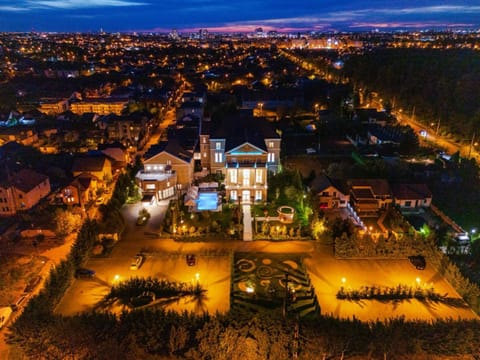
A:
[431,138]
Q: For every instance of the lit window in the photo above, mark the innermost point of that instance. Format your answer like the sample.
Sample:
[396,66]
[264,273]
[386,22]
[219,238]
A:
[218,157]
[218,146]
[233,195]
[270,144]
[258,176]
[246,177]
[271,157]
[233,176]
[258,195]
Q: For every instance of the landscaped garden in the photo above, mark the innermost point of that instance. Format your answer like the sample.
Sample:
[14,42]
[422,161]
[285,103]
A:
[204,225]
[272,282]
[287,214]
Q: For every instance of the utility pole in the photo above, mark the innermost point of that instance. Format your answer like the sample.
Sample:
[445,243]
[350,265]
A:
[471,146]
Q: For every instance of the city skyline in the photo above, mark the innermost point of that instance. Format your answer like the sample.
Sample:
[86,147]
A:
[234,16]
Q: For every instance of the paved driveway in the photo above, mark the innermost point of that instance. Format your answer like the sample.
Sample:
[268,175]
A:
[166,259]
[329,274]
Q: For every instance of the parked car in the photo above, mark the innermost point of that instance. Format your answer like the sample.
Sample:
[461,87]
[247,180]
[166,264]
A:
[137,261]
[191,260]
[32,284]
[418,261]
[20,302]
[84,273]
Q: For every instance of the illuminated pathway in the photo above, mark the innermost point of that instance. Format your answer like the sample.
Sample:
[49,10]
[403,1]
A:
[247,223]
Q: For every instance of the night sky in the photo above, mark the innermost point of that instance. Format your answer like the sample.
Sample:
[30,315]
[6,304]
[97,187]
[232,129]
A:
[235,15]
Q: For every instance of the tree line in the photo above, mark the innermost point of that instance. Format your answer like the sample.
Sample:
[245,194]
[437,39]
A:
[148,334]
[439,84]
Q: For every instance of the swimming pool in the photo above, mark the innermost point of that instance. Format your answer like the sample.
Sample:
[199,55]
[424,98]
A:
[207,201]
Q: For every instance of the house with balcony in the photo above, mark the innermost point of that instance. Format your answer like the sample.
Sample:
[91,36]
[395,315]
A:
[332,193]
[244,149]
[168,168]
[22,191]
[370,196]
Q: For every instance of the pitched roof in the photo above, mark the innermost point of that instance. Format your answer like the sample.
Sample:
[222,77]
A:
[323,182]
[242,127]
[171,147]
[89,164]
[25,180]
[380,187]
[411,191]
[83,181]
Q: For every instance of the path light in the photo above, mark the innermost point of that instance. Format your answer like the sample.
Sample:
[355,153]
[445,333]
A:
[250,290]
[418,280]
[197,276]
[344,280]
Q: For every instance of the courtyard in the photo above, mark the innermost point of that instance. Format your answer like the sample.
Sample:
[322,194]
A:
[227,268]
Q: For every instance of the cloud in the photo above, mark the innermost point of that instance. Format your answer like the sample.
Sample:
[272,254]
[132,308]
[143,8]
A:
[413,25]
[363,17]
[12,8]
[80,4]
[422,10]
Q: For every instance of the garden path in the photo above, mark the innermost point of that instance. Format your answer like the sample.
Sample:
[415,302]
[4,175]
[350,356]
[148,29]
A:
[247,223]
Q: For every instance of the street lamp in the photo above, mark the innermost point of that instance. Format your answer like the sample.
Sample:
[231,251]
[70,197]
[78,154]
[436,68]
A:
[473,144]
[260,105]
